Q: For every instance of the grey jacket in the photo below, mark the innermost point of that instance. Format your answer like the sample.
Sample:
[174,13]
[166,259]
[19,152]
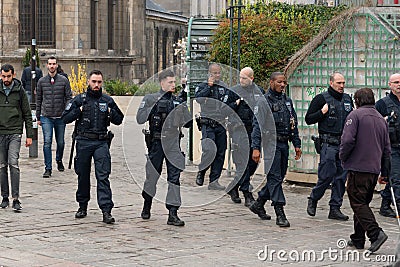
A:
[52,98]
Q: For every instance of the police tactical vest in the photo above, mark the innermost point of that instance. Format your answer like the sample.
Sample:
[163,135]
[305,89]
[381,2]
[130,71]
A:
[393,112]
[245,113]
[212,108]
[281,110]
[338,110]
[162,108]
[95,115]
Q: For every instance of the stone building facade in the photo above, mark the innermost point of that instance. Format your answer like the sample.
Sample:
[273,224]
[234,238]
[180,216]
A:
[196,8]
[113,36]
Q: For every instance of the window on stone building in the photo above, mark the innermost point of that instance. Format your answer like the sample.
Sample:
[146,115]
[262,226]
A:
[45,23]
[176,40]
[93,23]
[111,10]
[164,48]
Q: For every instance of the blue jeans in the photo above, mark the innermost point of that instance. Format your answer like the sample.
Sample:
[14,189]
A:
[29,95]
[10,145]
[59,129]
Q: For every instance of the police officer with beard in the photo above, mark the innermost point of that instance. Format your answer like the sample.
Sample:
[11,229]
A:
[330,109]
[285,120]
[212,95]
[93,112]
[242,99]
[166,114]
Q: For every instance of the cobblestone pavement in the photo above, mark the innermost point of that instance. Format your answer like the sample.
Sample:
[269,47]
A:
[217,233]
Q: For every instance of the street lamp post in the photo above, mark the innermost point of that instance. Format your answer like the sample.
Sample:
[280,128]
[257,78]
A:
[33,149]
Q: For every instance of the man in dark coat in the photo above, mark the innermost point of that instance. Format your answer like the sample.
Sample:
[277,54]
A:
[365,152]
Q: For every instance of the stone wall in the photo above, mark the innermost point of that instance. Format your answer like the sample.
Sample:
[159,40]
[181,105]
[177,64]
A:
[132,58]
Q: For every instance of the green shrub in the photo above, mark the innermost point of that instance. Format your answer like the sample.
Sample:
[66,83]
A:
[118,87]
[270,35]
[132,89]
[27,58]
[148,87]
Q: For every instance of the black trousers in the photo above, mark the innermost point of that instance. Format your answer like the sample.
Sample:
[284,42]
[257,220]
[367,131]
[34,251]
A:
[360,189]
[98,150]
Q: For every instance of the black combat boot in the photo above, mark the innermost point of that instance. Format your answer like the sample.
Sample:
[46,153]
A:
[311,207]
[386,210]
[173,218]
[248,198]
[336,214]
[258,208]
[281,220]
[81,213]
[108,218]
[200,177]
[234,194]
[146,206]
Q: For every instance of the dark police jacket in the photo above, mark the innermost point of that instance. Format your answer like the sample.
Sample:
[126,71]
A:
[98,111]
[212,100]
[155,108]
[389,107]
[283,113]
[332,122]
[248,98]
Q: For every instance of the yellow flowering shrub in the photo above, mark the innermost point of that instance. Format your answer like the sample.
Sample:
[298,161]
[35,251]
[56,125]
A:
[78,80]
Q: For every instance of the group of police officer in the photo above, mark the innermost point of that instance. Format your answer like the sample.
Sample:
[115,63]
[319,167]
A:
[256,121]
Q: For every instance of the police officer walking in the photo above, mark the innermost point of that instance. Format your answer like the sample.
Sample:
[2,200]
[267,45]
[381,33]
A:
[166,114]
[285,120]
[330,109]
[93,112]
[242,99]
[389,107]
[212,96]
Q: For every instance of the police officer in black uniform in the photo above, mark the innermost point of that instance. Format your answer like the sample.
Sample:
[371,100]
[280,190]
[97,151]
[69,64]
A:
[330,109]
[93,112]
[166,114]
[242,100]
[212,95]
[285,120]
[389,107]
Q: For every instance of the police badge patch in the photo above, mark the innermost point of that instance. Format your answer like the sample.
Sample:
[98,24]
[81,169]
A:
[347,107]
[103,107]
